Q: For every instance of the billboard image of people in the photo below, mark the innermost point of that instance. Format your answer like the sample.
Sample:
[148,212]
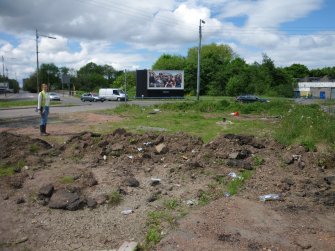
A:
[166,79]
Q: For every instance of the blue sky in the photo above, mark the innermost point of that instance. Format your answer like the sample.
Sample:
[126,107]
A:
[132,34]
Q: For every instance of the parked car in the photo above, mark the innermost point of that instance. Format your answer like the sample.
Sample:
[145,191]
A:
[250,99]
[54,96]
[92,97]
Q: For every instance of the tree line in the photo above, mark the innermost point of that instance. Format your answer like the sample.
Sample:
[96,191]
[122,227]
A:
[225,73]
[222,73]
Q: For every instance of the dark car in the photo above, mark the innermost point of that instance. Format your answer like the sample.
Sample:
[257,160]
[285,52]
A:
[250,99]
[92,97]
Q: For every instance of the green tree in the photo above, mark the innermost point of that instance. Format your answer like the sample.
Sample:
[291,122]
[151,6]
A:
[169,62]
[49,74]
[91,77]
[14,85]
[297,71]
[236,74]
[213,60]
[236,85]
[131,82]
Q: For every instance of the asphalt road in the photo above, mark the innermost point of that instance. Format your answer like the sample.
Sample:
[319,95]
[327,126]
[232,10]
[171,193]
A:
[63,106]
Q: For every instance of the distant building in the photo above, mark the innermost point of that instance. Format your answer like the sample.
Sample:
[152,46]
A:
[322,88]
[3,87]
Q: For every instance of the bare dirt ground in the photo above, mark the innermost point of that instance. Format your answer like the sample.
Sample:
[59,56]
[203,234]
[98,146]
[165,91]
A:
[61,199]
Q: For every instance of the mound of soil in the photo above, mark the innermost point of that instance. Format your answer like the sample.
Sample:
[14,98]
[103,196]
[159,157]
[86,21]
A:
[95,192]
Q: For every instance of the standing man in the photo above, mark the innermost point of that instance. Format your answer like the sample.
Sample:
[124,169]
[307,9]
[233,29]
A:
[43,108]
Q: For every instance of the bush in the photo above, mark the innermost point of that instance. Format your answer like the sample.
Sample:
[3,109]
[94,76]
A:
[307,125]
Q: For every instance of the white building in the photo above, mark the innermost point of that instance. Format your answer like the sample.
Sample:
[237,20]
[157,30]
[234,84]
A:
[322,90]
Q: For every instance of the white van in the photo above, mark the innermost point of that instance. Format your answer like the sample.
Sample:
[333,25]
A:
[113,94]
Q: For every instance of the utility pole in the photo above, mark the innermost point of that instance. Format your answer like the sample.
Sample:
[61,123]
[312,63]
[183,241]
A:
[38,67]
[125,81]
[199,55]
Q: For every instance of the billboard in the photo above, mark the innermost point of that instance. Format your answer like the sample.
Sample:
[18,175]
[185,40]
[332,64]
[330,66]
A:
[165,80]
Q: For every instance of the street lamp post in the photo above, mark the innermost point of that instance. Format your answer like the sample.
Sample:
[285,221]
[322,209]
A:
[199,55]
[38,67]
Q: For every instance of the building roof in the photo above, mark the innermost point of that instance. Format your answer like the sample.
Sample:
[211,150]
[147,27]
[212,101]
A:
[316,84]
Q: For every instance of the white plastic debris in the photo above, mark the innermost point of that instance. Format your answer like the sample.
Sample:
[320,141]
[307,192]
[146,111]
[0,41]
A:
[234,175]
[157,110]
[296,157]
[140,149]
[269,197]
[226,194]
[147,143]
[130,156]
[155,179]
[25,167]
[191,202]
[127,211]
[104,157]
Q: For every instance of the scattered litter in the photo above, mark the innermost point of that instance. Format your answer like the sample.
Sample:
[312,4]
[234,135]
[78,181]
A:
[194,151]
[234,175]
[127,211]
[178,185]
[155,181]
[191,202]
[147,143]
[155,111]
[25,167]
[104,157]
[130,156]
[226,194]
[184,157]
[236,114]
[269,197]
[140,149]
[296,157]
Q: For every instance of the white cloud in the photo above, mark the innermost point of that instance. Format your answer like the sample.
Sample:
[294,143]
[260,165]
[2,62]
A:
[146,28]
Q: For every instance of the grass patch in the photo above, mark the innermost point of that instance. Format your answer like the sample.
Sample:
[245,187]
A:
[306,125]
[114,198]
[153,236]
[33,148]
[257,160]
[17,103]
[293,123]
[9,170]
[204,198]
[234,185]
[171,204]
[66,180]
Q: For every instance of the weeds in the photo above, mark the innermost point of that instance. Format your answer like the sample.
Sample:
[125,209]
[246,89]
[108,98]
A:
[306,125]
[153,236]
[34,148]
[114,198]
[9,170]
[66,180]
[257,160]
[234,185]
[171,204]
[204,198]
